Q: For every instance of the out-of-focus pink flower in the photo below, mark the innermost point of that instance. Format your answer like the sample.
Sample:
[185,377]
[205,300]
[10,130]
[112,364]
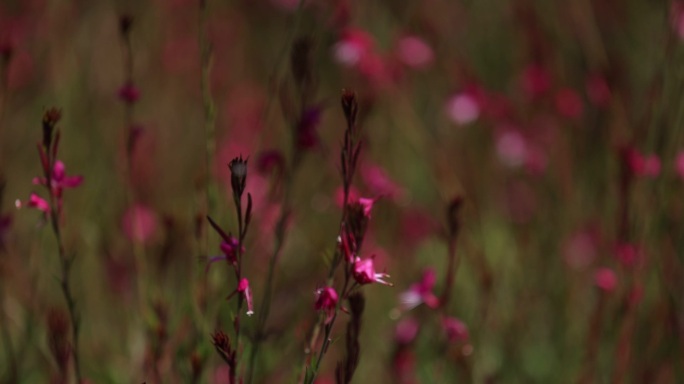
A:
[270,160]
[455,329]
[628,254]
[129,93]
[598,90]
[569,103]
[677,18]
[140,223]
[243,288]
[339,195]
[580,249]
[353,46]
[326,300]
[536,81]
[511,147]
[462,108]
[679,164]
[307,135]
[420,292]
[406,330]
[416,225]
[605,279]
[414,52]
[36,202]
[364,272]
[379,183]
[640,164]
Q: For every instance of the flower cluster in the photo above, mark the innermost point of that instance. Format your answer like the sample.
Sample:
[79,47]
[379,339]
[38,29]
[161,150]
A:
[55,178]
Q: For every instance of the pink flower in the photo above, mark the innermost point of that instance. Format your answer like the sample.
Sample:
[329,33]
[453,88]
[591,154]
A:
[605,279]
[353,47]
[679,164]
[455,329]
[406,330]
[628,254]
[536,81]
[364,272]
[420,292]
[511,147]
[379,182]
[326,300]
[36,202]
[230,248]
[598,90]
[367,205]
[59,179]
[462,108]
[243,287]
[140,223]
[640,164]
[129,93]
[414,52]
[569,104]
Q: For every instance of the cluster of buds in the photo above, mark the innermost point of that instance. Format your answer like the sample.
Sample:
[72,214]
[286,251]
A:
[55,178]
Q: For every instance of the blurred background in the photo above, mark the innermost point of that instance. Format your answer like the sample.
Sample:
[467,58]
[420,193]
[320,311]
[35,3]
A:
[559,125]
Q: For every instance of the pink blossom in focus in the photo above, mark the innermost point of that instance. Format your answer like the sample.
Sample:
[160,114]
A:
[569,103]
[367,205]
[455,329]
[605,279]
[59,179]
[364,272]
[243,288]
[462,108]
[414,52]
[326,300]
[140,223]
[420,292]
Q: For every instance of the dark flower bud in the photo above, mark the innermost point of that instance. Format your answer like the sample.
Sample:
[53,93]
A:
[221,342]
[350,106]
[357,223]
[50,119]
[238,176]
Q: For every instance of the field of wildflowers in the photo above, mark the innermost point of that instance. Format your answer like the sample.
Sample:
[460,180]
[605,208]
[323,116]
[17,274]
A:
[336,191]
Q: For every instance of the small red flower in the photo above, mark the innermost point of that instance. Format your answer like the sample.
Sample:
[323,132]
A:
[326,300]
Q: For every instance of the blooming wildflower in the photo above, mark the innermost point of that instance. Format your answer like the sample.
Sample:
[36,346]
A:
[455,329]
[605,279]
[420,292]
[364,272]
[230,249]
[35,201]
[243,287]
[367,205]
[59,179]
[326,300]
